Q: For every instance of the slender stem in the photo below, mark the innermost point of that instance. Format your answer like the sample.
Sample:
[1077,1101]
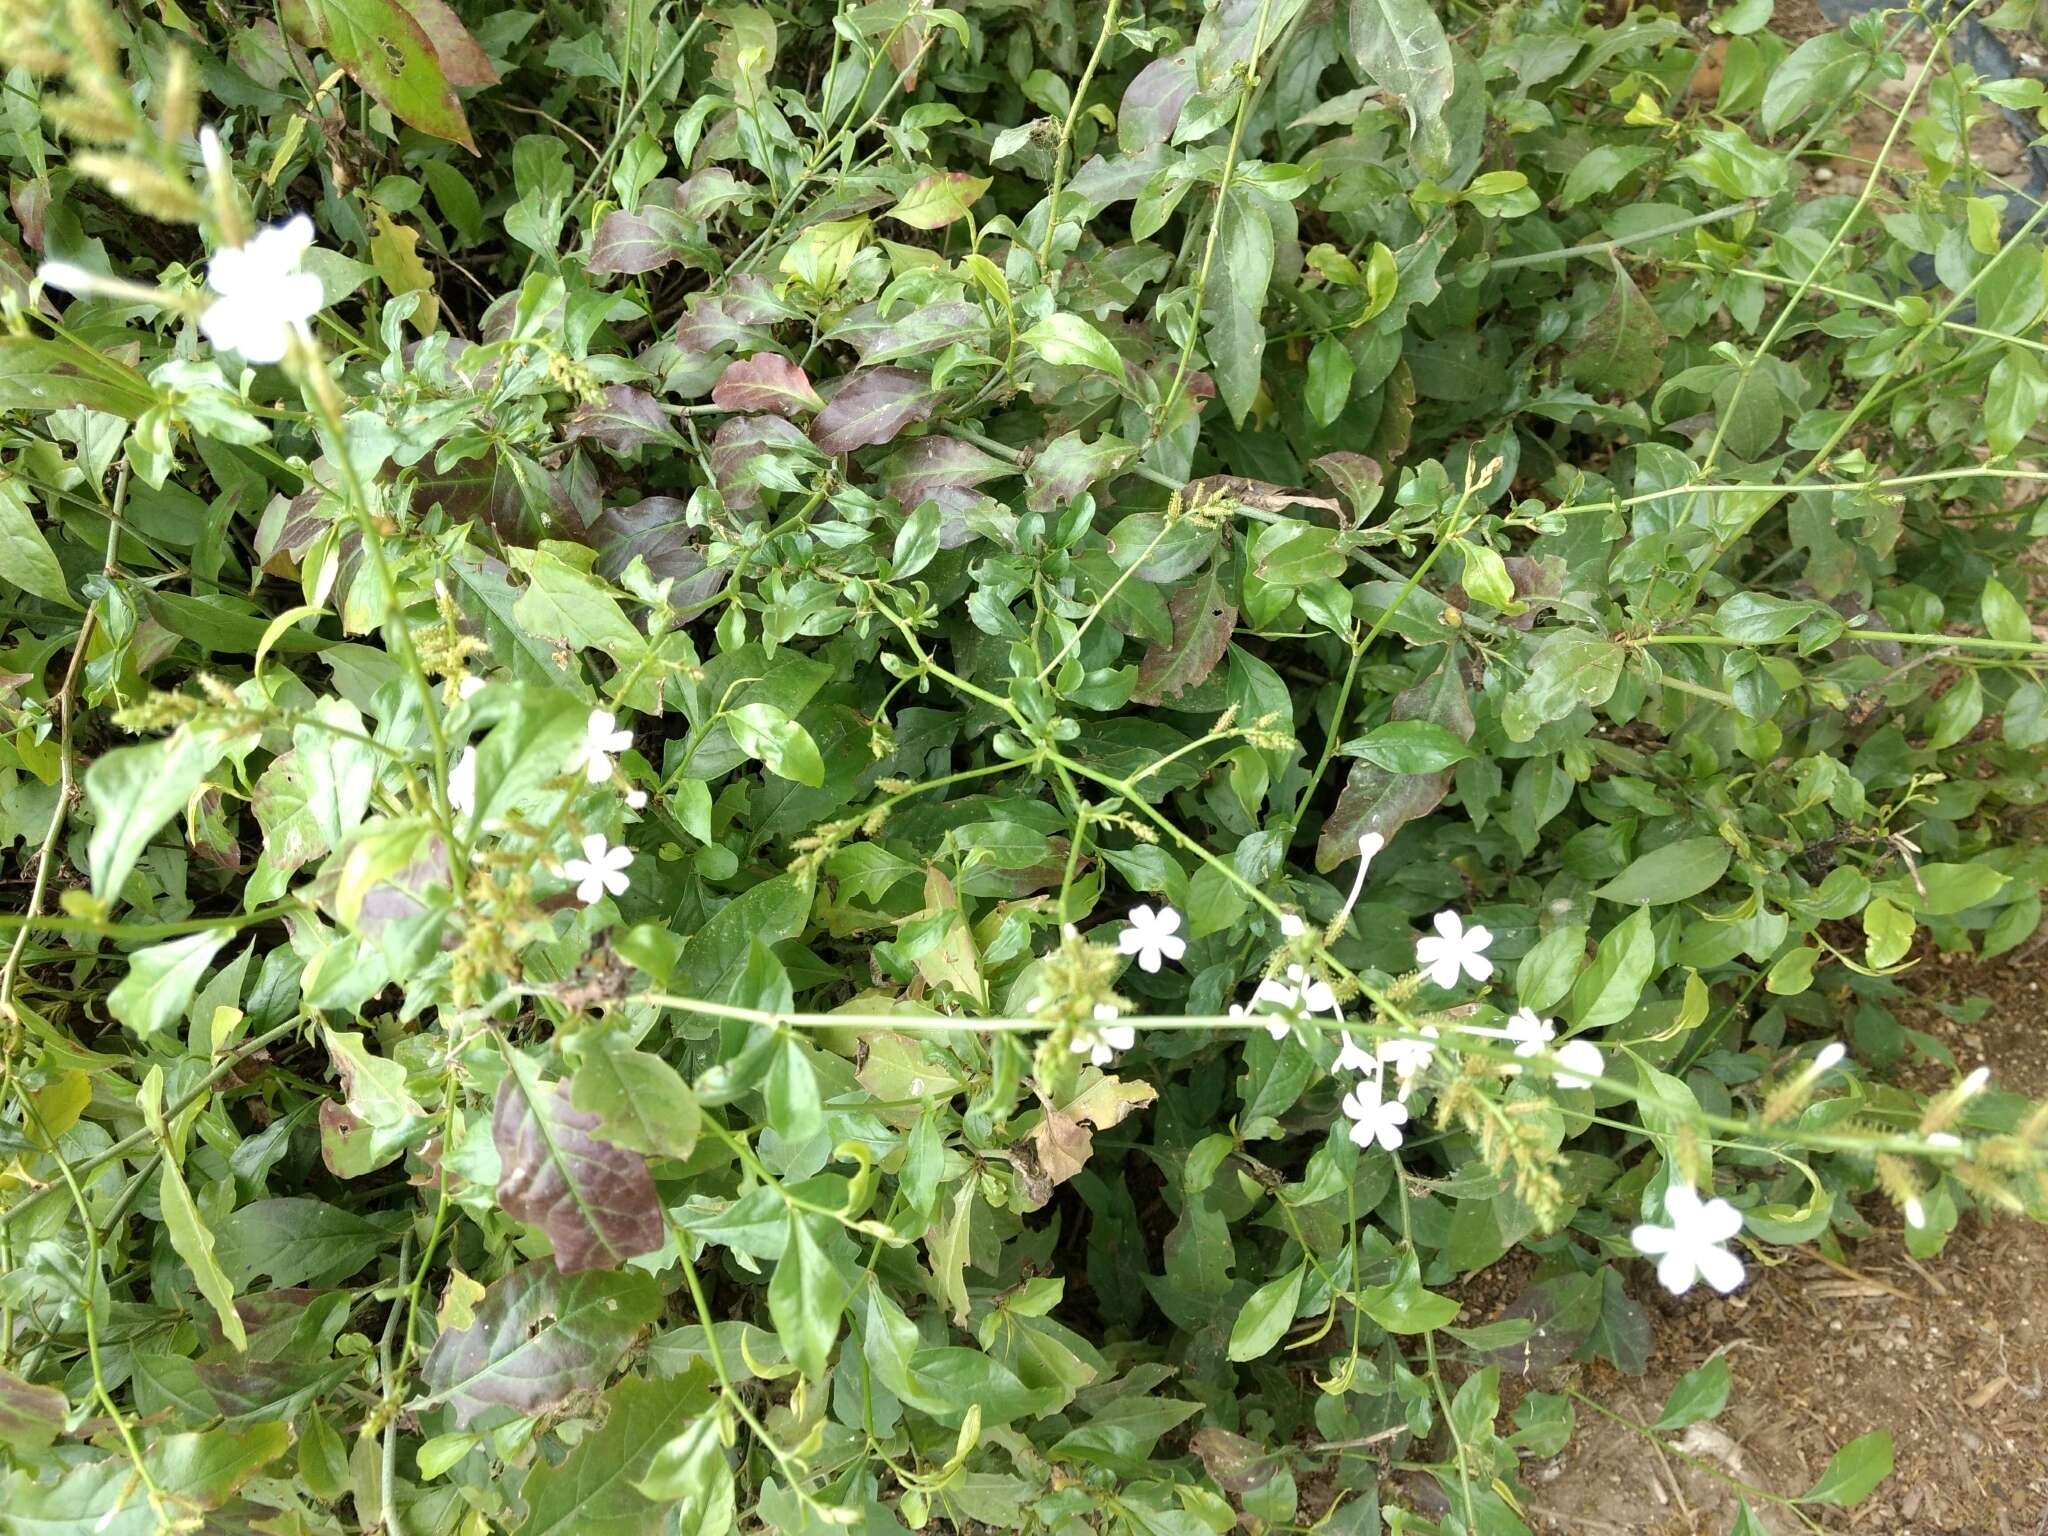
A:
[1620,242]
[1059,149]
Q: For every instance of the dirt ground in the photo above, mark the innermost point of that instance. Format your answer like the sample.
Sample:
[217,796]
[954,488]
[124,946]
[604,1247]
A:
[1950,1355]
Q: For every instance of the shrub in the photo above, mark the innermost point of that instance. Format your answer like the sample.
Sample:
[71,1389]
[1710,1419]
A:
[839,768]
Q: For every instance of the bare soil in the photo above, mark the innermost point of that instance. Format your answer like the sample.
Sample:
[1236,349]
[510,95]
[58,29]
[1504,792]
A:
[1950,1355]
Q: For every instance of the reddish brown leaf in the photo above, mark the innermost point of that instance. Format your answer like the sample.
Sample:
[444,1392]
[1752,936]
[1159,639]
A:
[629,418]
[766,381]
[1202,626]
[872,407]
[462,61]
[595,1201]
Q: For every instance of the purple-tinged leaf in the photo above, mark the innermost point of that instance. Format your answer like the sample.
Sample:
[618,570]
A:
[1202,625]
[656,530]
[940,469]
[752,452]
[1357,477]
[872,407]
[914,333]
[629,418]
[388,53]
[1153,102]
[766,382]
[1068,465]
[31,1416]
[1375,800]
[463,62]
[595,1201]
[632,243]
[538,1336]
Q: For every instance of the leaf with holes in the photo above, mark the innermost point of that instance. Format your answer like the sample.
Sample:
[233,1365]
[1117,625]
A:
[1202,626]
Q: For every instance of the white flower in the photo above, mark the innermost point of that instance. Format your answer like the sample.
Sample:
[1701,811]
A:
[1101,1043]
[1374,1118]
[264,299]
[1353,1057]
[1529,1033]
[1690,1248]
[462,782]
[1369,846]
[1585,1061]
[1410,1058]
[1454,948]
[1151,937]
[1275,994]
[1316,995]
[636,799]
[1291,925]
[602,868]
[469,687]
[601,738]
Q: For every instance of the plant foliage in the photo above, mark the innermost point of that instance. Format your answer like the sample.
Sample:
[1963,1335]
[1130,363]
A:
[908,761]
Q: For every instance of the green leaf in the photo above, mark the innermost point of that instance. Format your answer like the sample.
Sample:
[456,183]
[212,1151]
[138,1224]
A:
[765,732]
[1400,46]
[2004,618]
[692,1474]
[1793,972]
[916,541]
[716,957]
[1608,990]
[1267,1314]
[1070,341]
[1548,969]
[1887,933]
[1676,872]
[389,55]
[1406,1307]
[1330,371]
[1572,668]
[133,791]
[40,375]
[161,980]
[597,1489]
[1410,746]
[1757,619]
[26,560]
[1698,1395]
[641,1102]
[2014,398]
[1818,72]
[805,1297]
[337,765]
[1853,1471]
[194,1243]
[31,1415]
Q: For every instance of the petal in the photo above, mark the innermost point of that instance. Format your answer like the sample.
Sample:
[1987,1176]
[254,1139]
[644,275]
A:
[1148,959]
[1719,1221]
[1168,921]
[1478,967]
[1450,925]
[1445,972]
[298,297]
[1130,941]
[1390,1137]
[1651,1241]
[1142,916]
[1677,1272]
[1170,946]
[615,882]
[1682,1206]
[1720,1269]
[1477,937]
[596,768]
[595,847]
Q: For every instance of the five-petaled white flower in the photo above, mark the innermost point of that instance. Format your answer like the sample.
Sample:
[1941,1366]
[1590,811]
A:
[602,868]
[462,782]
[1373,1118]
[1410,1058]
[1585,1061]
[1690,1248]
[601,738]
[1105,1038]
[1151,937]
[263,298]
[1316,995]
[1529,1033]
[1454,948]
